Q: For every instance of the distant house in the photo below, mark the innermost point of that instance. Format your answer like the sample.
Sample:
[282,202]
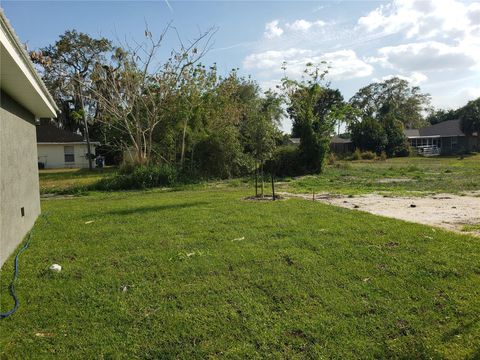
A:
[58,148]
[445,138]
[340,145]
[23,99]
[294,141]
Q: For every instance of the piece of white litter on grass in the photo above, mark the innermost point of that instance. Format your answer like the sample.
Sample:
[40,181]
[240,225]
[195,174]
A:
[55,267]
[89,222]
[190,254]
[41,334]
[239,239]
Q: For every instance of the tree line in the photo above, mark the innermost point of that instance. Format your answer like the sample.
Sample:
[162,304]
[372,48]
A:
[176,111]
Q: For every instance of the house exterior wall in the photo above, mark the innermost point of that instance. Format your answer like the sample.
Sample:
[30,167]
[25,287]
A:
[19,186]
[449,145]
[342,148]
[53,155]
[453,145]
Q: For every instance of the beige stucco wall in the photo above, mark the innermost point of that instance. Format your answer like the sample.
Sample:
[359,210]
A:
[18,175]
[52,155]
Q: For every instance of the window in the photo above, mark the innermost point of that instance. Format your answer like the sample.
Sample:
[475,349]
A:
[454,142]
[69,154]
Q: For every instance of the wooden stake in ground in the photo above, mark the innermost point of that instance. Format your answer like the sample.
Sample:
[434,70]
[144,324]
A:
[261,174]
[256,180]
[273,188]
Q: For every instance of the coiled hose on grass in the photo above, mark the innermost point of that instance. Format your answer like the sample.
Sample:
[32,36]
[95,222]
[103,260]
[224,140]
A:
[15,276]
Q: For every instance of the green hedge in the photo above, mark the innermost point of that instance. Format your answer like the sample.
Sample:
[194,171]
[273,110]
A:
[286,162]
[141,177]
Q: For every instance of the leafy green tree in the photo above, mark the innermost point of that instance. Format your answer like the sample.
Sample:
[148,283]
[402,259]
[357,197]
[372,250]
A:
[368,135]
[137,90]
[193,85]
[260,130]
[393,97]
[470,117]
[396,141]
[328,99]
[438,116]
[225,108]
[66,68]
[314,128]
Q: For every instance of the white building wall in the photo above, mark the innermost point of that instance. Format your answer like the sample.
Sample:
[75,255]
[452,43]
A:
[53,155]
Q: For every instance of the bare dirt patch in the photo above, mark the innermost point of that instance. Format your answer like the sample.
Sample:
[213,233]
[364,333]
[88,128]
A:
[263,198]
[448,211]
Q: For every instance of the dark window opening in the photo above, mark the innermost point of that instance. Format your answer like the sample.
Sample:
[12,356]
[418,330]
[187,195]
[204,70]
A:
[69,154]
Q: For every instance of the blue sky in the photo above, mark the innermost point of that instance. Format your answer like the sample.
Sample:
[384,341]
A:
[434,44]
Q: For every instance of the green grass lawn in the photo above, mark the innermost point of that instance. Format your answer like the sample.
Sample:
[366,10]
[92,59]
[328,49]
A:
[70,180]
[401,176]
[209,275]
[398,176]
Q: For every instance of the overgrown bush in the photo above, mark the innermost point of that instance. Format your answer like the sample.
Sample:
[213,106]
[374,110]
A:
[402,150]
[412,151]
[126,168]
[140,177]
[357,155]
[286,162]
[383,156]
[368,135]
[220,158]
[331,159]
[368,155]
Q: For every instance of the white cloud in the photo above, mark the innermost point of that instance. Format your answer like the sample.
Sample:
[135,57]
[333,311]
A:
[304,25]
[422,18]
[272,30]
[415,78]
[445,100]
[344,63]
[432,43]
[426,56]
[473,13]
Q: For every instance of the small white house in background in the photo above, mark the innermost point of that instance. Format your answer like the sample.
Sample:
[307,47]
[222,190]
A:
[23,99]
[58,148]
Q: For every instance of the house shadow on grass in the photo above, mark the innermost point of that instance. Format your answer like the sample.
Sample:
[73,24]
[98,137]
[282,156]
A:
[156,208]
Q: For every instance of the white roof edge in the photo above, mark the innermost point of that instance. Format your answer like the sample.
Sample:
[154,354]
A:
[432,136]
[22,52]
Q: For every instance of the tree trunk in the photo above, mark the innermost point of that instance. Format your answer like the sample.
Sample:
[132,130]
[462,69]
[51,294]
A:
[138,140]
[85,124]
[149,144]
[182,155]
[261,174]
[191,159]
[256,179]
[273,188]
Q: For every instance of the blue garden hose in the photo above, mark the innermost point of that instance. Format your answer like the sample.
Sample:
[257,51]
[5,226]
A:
[15,276]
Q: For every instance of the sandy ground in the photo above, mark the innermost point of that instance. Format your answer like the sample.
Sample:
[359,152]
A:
[447,211]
